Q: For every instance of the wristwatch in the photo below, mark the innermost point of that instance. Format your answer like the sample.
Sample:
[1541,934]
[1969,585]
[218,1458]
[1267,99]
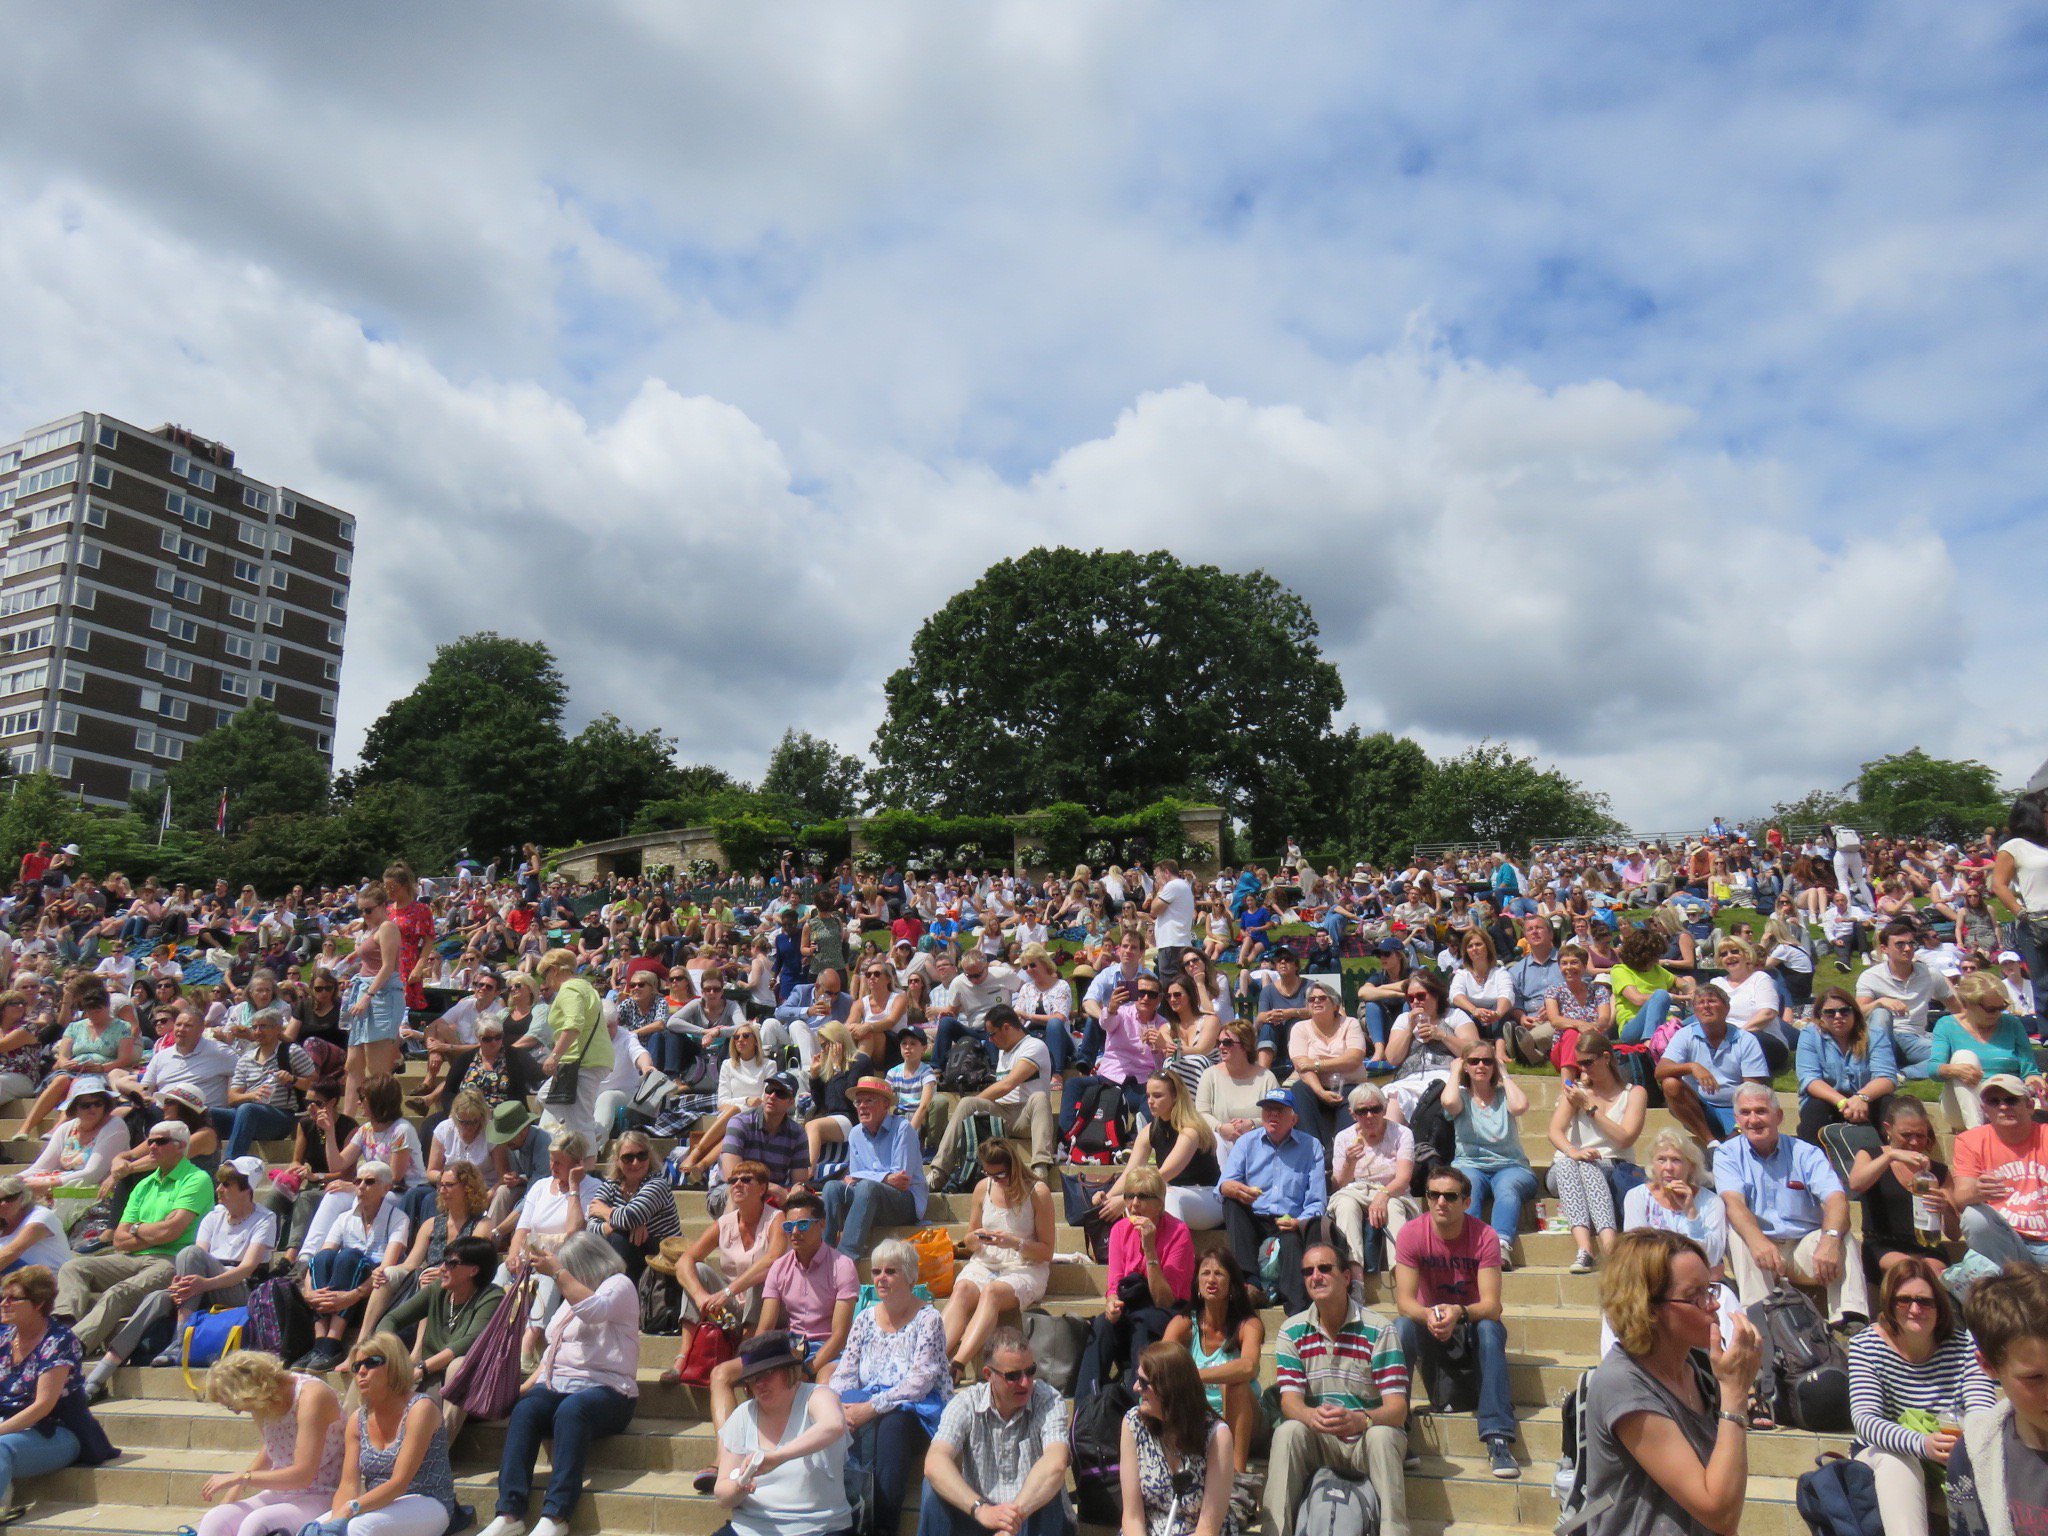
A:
[355,1507]
[978,1503]
[1836,1233]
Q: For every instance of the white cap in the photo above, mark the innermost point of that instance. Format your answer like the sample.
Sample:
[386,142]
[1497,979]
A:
[2008,957]
[72,849]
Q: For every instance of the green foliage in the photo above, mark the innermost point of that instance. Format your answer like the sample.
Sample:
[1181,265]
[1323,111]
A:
[381,823]
[482,733]
[899,836]
[36,811]
[611,773]
[1060,832]
[1822,805]
[699,810]
[823,783]
[267,768]
[1488,794]
[1109,678]
[1910,794]
[751,842]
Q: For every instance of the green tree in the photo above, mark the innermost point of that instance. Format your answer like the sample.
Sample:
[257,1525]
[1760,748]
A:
[824,783]
[266,767]
[611,772]
[36,810]
[482,733]
[1380,778]
[1817,806]
[1488,794]
[1910,794]
[380,823]
[1107,678]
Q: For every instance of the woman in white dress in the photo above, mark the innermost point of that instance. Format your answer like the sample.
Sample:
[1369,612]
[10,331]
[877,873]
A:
[1010,1230]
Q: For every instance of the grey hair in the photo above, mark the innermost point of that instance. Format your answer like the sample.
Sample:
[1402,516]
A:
[11,1188]
[1006,1340]
[574,1145]
[1754,1090]
[1367,1096]
[590,1259]
[891,1250]
[374,1172]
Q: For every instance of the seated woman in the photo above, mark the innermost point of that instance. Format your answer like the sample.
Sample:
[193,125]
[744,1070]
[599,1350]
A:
[1983,1038]
[29,1233]
[45,1423]
[1901,1220]
[1327,1052]
[1151,1271]
[1577,1003]
[1179,1142]
[1754,1002]
[894,1380]
[741,1077]
[341,1256]
[98,1040]
[1223,1332]
[1642,984]
[633,1211]
[1664,1423]
[582,1389]
[459,1189]
[1594,1129]
[81,1148]
[1228,1096]
[1845,1072]
[231,1242]
[183,1103]
[745,1240]
[291,1482]
[1010,1232]
[555,1209]
[395,1476]
[1486,1115]
[1177,1454]
[446,1315]
[782,1453]
[1424,1045]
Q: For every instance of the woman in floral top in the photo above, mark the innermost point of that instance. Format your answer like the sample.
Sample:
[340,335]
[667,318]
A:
[894,1379]
[1177,1457]
[21,1051]
[44,1421]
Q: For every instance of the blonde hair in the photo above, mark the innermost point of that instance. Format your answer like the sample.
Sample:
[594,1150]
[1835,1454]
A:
[398,1367]
[1671,1139]
[835,1048]
[248,1381]
[1637,1274]
[1985,990]
[638,1143]
[1741,947]
[555,960]
[1144,1181]
[1182,1115]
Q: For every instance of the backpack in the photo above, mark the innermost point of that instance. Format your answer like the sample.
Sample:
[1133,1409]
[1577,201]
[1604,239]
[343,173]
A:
[661,1303]
[1095,1450]
[1436,1138]
[969,1069]
[1337,1506]
[1569,1484]
[1839,1498]
[1636,1064]
[279,1323]
[979,1127]
[1102,1131]
[1808,1381]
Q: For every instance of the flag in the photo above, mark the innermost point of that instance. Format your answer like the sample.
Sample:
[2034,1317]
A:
[220,817]
[163,822]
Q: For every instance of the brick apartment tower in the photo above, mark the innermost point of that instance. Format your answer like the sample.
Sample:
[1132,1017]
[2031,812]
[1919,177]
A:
[150,590]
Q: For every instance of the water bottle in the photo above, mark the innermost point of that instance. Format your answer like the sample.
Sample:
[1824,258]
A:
[1925,1217]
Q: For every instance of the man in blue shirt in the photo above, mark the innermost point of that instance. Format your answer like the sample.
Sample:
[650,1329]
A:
[884,1181]
[1788,1214]
[1532,977]
[1703,1066]
[1273,1186]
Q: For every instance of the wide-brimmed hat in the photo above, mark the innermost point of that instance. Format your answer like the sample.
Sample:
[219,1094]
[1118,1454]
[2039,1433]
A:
[87,1088]
[507,1121]
[185,1094]
[873,1085]
[767,1352]
[671,1253]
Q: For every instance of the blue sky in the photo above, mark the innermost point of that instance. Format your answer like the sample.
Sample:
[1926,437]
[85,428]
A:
[1625,381]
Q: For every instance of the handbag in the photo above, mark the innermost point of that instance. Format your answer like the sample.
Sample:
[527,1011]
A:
[934,1247]
[207,1337]
[655,1089]
[486,1383]
[710,1347]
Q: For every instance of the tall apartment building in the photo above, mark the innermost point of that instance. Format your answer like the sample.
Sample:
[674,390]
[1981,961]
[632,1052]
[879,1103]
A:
[149,591]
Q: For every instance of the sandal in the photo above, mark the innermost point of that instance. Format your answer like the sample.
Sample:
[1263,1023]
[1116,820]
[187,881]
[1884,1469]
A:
[705,1480]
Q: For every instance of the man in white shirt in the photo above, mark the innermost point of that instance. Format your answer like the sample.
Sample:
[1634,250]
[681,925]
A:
[1172,910]
[1900,994]
[191,1060]
[1020,1097]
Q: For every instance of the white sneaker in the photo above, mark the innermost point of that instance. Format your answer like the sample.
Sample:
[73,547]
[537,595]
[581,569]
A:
[547,1526]
[504,1525]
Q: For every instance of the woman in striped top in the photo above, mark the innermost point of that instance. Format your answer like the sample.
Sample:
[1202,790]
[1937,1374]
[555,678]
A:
[1917,1355]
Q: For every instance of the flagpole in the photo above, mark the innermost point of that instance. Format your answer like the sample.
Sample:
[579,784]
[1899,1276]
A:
[163,822]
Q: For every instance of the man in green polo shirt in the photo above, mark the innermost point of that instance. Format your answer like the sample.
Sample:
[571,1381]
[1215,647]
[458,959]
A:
[98,1291]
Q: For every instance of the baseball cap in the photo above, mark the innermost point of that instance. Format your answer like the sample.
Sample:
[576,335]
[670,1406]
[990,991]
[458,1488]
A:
[2006,1083]
[2008,957]
[1276,1099]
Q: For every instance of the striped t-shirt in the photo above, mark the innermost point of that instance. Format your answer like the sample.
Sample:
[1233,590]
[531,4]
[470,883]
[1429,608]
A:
[909,1085]
[1883,1384]
[1355,1369]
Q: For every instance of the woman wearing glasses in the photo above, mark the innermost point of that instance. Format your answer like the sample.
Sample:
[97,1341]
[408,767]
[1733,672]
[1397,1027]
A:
[583,1387]
[1177,1456]
[1486,1114]
[1916,1359]
[395,1476]
[464,1202]
[292,1480]
[1424,1045]
[1666,1426]
[633,1212]
[44,1421]
[1903,1217]
[1846,1073]
[877,1014]
[722,1268]
[1010,1230]
[894,1381]
[1981,1039]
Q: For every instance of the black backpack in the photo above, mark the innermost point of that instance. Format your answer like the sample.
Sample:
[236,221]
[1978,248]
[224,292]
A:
[969,1069]
[1808,1370]
[1102,1131]
[1096,1453]
[1436,1137]
[661,1303]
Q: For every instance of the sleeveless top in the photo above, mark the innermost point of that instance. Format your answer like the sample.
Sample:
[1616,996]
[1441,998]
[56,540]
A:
[1003,1218]
[281,1441]
[435,1479]
[1488,1136]
[805,1497]
[1202,1168]
[1223,1354]
[1583,1133]
[1172,1499]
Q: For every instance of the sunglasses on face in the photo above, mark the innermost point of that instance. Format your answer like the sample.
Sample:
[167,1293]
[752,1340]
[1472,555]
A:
[1916,1303]
[1838,1013]
[632,1157]
[160,1141]
[1318,1269]
[1448,1196]
[370,1362]
[1018,1377]
[799,1226]
[1369,1109]
[774,1092]
[745,1178]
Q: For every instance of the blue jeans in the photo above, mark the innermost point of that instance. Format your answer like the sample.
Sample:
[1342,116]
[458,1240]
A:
[1488,1338]
[340,1269]
[572,1421]
[1986,1233]
[30,1453]
[671,1052]
[1511,1188]
[894,1445]
[935,1517]
[852,1211]
[247,1124]
[1648,1017]
[1374,1017]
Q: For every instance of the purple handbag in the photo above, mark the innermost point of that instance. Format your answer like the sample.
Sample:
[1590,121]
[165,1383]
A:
[486,1383]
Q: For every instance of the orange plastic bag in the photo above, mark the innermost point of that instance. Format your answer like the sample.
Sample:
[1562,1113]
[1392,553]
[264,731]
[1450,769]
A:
[934,1247]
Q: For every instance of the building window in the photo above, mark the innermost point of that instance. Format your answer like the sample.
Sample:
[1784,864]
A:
[172,625]
[246,570]
[333,670]
[33,638]
[67,722]
[341,563]
[267,688]
[273,614]
[158,743]
[242,609]
[258,500]
[348,530]
[279,579]
[27,598]
[74,677]
[234,685]
[89,556]
[223,717]
[241,647]
[334,634]
[145,778]
[48,479]
[107,437]
[23,761]
[20,722]
[95,515]
[326,742]
[271,653]
[60,764]
[280,542]
[189,550]
[103,476]
[286,507]
[197,474]
[249,533]
[182,588]
[83,596]
[339,598]
[178,667]
[327,705]
[52,440]
[24,680]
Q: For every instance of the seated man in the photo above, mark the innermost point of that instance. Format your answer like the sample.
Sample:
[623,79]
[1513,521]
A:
[191,1058]
[1020,1097]
[973,996]
[1273,1185]
[999,1459]
[884,1180]
[1343,1400]
[770,1135]
[1447,1288]
[1788,1214]
[809,1006]
[1902,993]
[2001,1176]
[1705,1063]
[96,1292]
[450,1040]
[1282,1004]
